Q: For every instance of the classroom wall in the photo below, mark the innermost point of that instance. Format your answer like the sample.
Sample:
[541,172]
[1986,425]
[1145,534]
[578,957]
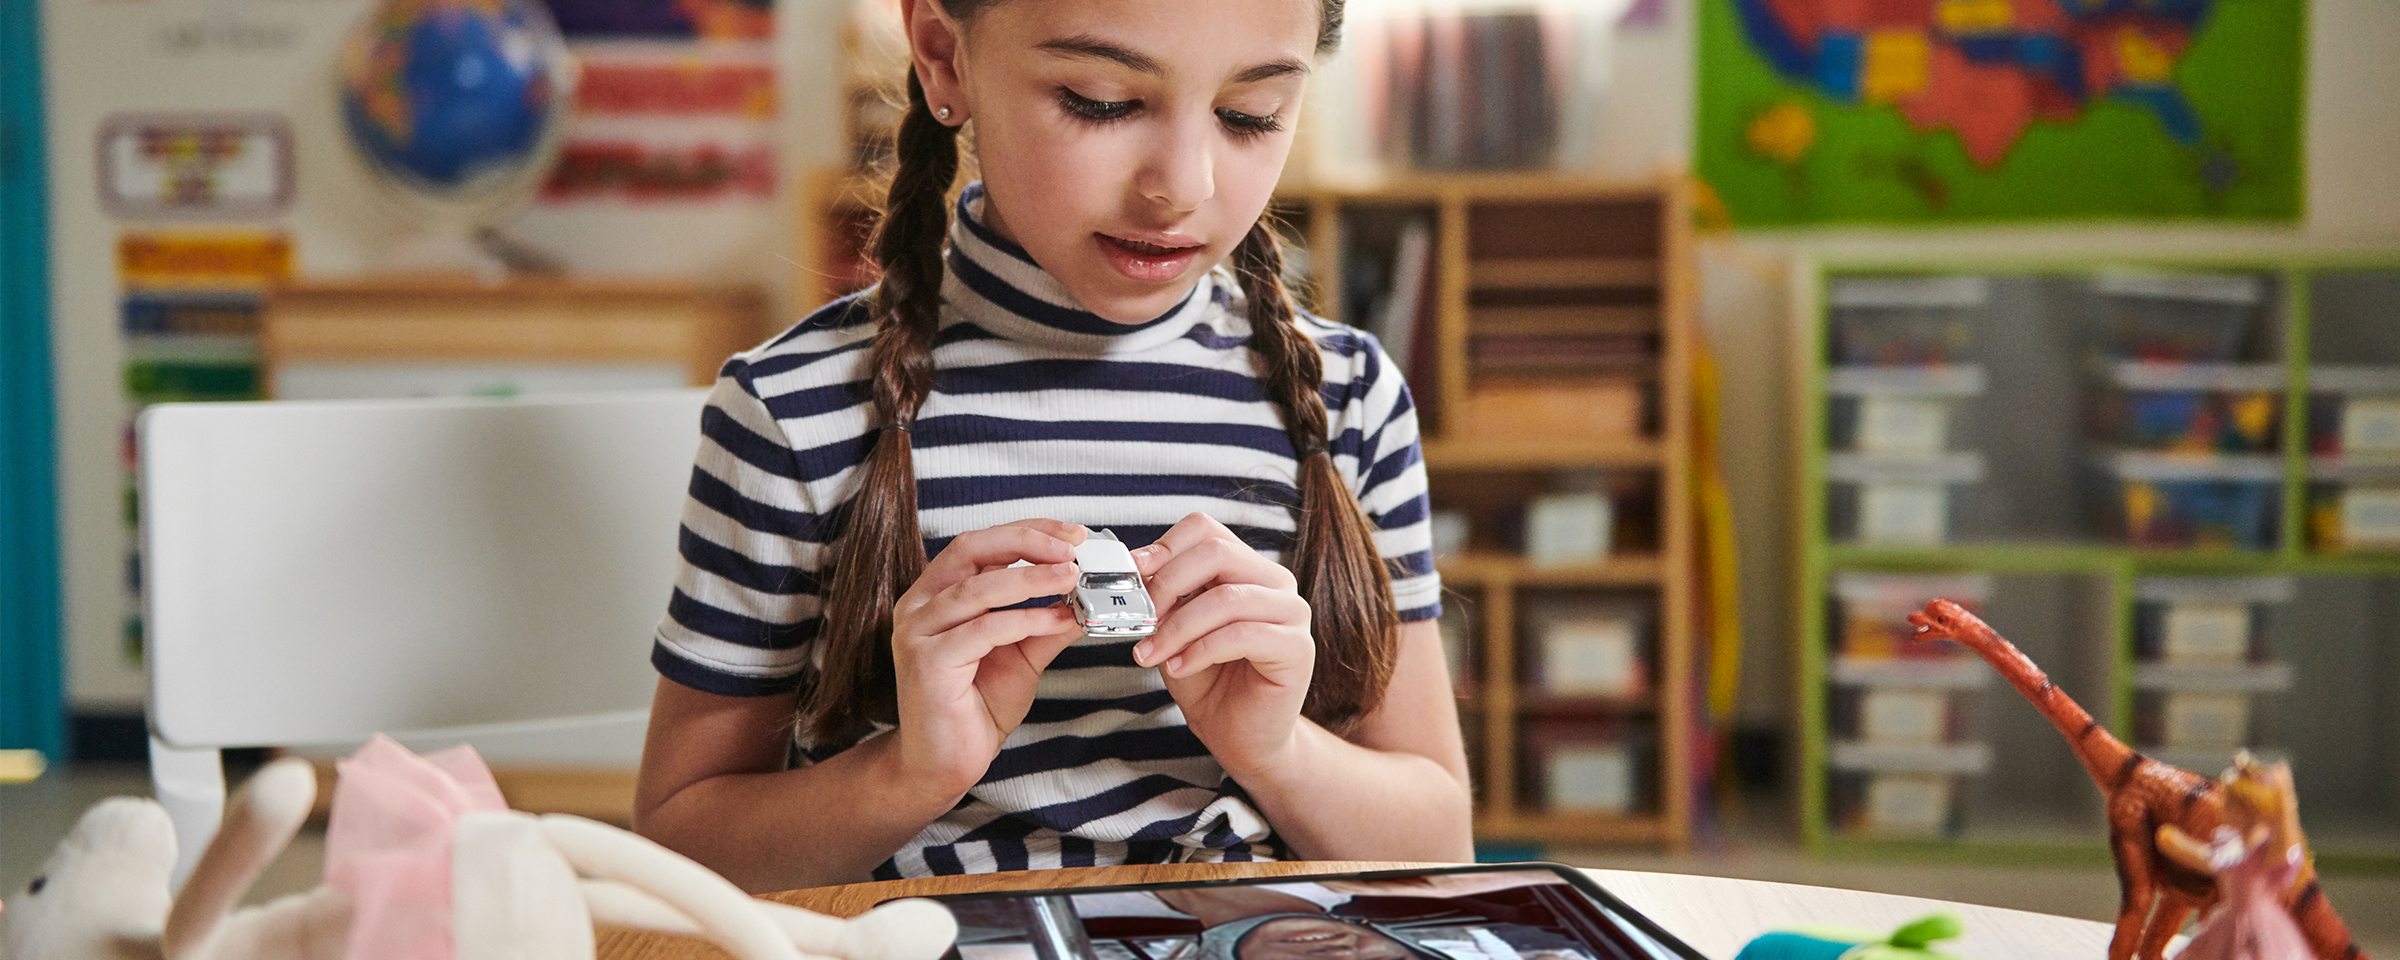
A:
[103,59]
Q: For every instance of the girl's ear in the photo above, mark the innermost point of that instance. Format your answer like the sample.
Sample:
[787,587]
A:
[934,44]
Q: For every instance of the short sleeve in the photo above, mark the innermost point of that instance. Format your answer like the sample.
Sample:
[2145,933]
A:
[744,613]
[1388,471]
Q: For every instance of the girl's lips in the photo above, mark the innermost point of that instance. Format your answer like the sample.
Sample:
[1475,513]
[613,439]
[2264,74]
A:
[1147,262]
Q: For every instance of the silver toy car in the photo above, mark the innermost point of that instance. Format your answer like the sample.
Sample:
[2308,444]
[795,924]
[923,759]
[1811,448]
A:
[1110,600]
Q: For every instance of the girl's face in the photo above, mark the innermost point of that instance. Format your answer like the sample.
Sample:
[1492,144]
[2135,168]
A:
[1128,145]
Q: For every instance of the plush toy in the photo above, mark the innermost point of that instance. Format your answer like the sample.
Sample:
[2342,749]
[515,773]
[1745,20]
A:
[423,862]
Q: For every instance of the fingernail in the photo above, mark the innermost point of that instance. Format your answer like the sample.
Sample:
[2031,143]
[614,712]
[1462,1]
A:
[1175,666]
[1141,653]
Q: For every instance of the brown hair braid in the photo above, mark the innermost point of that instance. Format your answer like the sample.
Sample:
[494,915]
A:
[881,550]
[1349,591]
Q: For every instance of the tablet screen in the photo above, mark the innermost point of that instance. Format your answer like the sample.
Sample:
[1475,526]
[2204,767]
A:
[1493,912]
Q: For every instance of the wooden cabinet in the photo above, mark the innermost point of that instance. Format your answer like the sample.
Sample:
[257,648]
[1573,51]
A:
[1548,354]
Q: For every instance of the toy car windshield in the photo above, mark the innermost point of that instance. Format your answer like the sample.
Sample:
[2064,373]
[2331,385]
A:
[1109,599]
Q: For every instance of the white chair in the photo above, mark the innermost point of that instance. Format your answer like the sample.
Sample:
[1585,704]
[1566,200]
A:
[321,571]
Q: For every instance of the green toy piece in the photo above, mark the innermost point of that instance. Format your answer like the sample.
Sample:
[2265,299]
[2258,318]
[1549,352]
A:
[1913,941]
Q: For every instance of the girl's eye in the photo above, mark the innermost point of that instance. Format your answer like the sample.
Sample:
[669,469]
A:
[1247,125]
[1097,111]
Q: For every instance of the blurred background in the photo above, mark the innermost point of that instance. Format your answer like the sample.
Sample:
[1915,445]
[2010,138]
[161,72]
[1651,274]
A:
[1740,328]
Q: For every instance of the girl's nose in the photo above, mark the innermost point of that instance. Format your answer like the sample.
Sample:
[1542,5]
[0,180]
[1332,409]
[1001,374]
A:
[1180,172]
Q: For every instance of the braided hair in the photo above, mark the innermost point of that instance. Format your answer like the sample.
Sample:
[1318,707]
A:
[880,549]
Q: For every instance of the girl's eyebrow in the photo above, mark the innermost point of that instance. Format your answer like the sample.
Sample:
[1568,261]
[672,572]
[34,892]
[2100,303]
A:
[1087,47]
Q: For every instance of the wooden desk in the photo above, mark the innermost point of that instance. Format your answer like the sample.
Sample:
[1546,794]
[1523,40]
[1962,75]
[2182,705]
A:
[1715,915]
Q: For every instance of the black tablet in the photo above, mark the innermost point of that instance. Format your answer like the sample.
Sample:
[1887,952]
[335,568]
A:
[1515,911]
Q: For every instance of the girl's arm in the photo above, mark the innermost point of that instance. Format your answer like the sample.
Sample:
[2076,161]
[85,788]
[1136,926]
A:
[713,788]
[1234,645]
[1396,790]
[712,783]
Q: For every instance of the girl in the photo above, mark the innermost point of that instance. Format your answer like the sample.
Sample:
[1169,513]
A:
[1076,361]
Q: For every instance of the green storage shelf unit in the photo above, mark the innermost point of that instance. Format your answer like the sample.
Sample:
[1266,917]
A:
[2074,504]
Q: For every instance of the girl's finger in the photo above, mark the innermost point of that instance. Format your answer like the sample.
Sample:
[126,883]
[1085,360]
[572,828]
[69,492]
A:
[1040,650]
[1187,533]
[987,591]
[1036,541]
[1218,608]
[1209,564]
[1266,647]
[968,643]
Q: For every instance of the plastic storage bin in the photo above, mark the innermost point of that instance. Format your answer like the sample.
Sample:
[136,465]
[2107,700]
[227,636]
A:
[1874,609]
[1906,411]
[2178,318]
[1905,321]
[1602,766]
[2354,411]
[2191,408]
[2355,507]
[1897,500]
[2166,500]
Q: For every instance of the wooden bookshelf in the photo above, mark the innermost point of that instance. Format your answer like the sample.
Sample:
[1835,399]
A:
[1545,260]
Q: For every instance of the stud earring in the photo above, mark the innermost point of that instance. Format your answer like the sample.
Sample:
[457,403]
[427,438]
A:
[942,113]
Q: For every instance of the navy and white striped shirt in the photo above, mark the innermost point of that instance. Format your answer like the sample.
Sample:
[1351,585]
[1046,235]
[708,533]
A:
[1039,409]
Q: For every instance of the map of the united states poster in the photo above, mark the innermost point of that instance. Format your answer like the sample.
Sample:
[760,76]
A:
[1903,111]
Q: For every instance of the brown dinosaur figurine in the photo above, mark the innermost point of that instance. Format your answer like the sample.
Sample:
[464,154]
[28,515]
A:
[2143,796]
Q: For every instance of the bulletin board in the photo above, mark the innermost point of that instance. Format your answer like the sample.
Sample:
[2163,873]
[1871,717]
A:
[1938,111]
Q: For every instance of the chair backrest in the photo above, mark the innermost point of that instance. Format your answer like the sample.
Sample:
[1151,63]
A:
[316,572]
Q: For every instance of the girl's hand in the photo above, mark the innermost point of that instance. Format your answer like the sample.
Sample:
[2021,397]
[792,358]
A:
[967,670]
[1233,642]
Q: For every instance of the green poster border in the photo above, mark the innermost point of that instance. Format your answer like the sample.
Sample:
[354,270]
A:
[32,700]
[2245,75]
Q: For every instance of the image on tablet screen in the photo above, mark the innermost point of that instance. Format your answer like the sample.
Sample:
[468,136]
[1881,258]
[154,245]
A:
[1483,915]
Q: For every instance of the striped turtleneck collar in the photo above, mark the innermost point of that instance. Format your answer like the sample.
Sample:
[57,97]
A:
[995,284]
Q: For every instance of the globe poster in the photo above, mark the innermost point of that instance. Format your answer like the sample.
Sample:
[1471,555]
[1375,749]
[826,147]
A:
[1947,111]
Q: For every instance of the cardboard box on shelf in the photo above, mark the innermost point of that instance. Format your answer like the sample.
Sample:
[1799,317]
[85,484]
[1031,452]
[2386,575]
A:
[1907,804]
[1592,657]
[2206,631]
[1899,423]
[2370,518]
[2371,427]
[1590,777]
[1904,513]
[1608,409]
[1903,715]
[2205,720]
[1568,527]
